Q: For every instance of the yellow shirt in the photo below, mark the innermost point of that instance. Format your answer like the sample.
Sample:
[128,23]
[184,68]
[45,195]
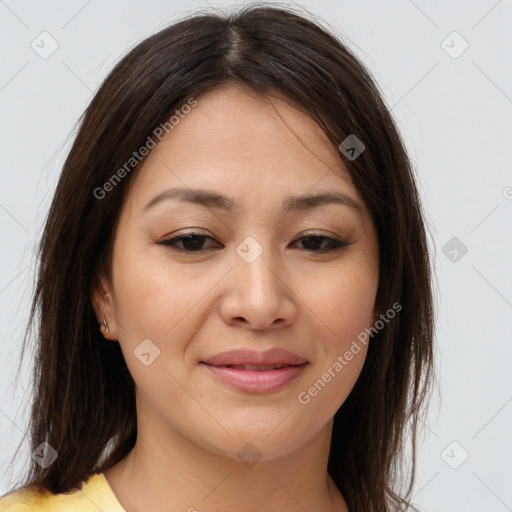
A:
[95,495]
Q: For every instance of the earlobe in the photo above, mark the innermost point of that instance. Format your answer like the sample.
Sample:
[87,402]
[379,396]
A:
[105,324]
[104,321]
[100,301]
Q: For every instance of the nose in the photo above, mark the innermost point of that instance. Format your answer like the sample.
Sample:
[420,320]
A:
[259,290]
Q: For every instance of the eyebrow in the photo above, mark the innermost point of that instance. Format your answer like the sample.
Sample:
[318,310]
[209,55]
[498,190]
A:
[211,199]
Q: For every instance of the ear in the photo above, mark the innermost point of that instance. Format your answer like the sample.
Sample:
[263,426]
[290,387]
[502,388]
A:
[103,304]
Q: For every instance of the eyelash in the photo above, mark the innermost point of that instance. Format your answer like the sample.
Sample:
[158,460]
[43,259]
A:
[172,243]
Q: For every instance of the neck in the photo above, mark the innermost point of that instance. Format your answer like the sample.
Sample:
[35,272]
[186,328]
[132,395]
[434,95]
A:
[167,469]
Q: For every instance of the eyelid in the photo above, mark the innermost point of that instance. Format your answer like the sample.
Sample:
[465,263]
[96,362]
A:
[335,243]
[199,232]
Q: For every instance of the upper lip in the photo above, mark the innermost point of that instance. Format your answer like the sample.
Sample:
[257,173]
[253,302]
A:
[244,356]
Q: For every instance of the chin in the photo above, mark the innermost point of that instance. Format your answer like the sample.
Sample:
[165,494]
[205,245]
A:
[260,441]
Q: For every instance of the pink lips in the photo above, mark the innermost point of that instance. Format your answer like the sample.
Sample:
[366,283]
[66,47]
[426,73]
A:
[256,372]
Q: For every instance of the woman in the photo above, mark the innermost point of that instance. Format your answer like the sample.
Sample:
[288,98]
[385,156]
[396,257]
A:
[234,286]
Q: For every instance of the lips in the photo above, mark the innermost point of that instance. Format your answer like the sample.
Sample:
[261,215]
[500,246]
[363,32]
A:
[273,357]
[254,367]
[255,372]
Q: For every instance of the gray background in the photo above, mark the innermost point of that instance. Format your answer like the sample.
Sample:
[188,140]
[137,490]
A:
[454,111]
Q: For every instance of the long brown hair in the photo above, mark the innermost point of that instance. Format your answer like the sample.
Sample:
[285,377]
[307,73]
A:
[84,395]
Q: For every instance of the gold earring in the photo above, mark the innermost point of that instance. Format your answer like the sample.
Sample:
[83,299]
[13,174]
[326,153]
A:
[104,320]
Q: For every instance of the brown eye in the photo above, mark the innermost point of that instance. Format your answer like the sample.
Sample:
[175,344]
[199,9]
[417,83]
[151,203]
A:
[191,242]
[313,243]
[194,242]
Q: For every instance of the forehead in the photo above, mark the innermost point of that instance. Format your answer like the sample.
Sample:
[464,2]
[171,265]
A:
[245,145]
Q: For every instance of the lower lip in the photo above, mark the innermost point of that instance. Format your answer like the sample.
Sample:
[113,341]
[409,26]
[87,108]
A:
[256,381]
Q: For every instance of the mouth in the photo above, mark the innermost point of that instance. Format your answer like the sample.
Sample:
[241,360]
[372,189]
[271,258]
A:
[255,372]
[255,367]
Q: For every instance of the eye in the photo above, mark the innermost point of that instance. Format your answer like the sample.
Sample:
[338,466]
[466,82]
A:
[193,242]
[314,240]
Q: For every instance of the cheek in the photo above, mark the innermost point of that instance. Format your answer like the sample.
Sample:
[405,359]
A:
[159,302]
[152,295]
[350,312]
[342,349]
[344,308]
[153,308]
[343,302]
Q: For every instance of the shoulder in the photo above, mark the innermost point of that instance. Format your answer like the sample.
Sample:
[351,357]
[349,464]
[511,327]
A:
[25,499]
[29,499]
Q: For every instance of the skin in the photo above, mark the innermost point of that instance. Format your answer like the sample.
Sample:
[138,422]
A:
[259,151]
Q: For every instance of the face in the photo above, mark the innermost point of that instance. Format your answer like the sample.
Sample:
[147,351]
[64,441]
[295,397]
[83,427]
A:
[260,274]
